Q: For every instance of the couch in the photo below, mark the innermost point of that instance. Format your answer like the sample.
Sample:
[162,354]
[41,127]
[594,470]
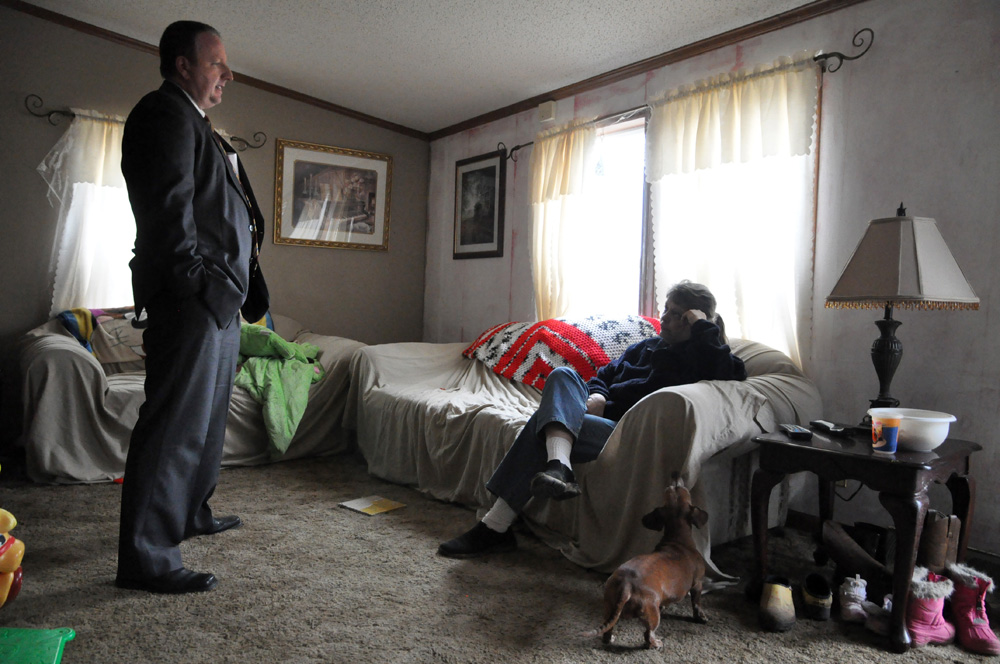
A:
[438,417]
[80,406]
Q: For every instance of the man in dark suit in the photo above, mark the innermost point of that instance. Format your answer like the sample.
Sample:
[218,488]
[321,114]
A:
[198,231]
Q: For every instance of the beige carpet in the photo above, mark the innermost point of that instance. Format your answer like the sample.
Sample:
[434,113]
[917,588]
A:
[307,581]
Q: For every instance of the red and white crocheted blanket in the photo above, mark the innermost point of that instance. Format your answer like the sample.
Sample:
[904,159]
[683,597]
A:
[528,352]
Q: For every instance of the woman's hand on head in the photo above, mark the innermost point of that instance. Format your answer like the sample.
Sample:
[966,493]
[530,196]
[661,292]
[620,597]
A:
[692,316]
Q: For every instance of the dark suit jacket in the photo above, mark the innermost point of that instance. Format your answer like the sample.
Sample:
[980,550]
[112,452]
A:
[193,215]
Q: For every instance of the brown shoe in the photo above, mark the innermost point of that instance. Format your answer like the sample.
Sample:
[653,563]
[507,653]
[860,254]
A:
[939,541]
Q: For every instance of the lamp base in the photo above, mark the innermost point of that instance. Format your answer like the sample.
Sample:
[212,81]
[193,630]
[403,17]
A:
[886,353]
[884,403]
[866,421]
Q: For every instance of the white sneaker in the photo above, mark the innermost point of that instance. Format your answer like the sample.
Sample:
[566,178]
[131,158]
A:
[852,594]
[879,617]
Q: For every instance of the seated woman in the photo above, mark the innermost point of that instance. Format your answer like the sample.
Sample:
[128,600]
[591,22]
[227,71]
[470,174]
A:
[575,419]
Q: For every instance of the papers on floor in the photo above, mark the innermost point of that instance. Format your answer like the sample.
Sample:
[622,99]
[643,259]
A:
[371,505]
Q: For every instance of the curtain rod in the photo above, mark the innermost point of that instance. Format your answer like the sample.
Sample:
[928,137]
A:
[838,59]
[706,85]
[619,116]
[34,105]
[858,41]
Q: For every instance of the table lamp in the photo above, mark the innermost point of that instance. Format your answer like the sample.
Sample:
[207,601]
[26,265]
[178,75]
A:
[901,262]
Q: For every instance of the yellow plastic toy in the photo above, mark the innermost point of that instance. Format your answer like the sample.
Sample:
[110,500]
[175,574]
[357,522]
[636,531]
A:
[11,553]
[19,644]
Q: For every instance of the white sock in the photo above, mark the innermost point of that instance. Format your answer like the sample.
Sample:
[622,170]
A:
[500,517]
[558,443]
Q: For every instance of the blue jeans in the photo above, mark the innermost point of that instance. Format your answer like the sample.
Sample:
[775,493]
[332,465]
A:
[564,400]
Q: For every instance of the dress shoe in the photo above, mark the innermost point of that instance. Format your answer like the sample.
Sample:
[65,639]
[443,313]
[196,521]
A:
[180,580]
[556,482]
[478,541]
[223,523]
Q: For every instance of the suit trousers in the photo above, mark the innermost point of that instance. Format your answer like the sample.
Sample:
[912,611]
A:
[564,400]
[175,452]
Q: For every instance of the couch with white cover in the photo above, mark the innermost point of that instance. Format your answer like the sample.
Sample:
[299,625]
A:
[440,417]
[80,405]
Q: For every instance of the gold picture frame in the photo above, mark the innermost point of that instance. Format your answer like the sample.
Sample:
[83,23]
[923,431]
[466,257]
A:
[326,196]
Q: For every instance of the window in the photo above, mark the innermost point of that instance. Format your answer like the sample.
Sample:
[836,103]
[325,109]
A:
[730,162]
[95,231]
[605,248]
[588,201]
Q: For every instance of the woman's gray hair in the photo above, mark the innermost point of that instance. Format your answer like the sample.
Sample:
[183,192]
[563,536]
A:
[690,295]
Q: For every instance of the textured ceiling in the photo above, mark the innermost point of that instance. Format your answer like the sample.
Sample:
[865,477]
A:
[430,64]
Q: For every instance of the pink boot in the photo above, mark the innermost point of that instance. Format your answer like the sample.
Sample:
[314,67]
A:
[928,591]
[969,610]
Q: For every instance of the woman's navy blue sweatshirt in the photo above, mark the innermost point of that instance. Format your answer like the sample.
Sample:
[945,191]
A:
[652,364]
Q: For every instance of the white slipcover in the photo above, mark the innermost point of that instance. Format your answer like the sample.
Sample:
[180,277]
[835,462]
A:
[77,419]
[428,417]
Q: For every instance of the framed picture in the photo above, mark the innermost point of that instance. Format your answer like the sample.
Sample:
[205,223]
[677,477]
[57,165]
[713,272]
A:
[331,197]
[479,196]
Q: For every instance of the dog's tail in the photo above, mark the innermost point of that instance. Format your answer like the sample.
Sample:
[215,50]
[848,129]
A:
[715,575]
[626,595]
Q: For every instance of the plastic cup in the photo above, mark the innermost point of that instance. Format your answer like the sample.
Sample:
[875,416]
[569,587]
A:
[885,433]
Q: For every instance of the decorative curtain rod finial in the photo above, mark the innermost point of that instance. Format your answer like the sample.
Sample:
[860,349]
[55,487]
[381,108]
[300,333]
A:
[34,104]
[858,41]
[259,138]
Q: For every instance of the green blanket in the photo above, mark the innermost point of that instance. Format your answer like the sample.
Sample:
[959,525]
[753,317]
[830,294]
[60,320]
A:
[277,373]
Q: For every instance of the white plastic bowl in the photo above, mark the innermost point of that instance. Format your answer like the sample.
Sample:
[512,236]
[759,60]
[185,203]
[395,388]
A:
[919,430]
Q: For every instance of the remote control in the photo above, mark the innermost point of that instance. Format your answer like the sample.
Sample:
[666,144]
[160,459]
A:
[829,427]
[796,432]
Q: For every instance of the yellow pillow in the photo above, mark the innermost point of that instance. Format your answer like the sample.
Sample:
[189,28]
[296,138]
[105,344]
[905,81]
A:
[265,321]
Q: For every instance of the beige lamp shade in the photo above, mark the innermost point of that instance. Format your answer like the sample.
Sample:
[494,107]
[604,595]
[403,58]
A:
[902,262]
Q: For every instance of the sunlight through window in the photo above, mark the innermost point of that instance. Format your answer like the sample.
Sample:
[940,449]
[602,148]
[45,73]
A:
[606,250]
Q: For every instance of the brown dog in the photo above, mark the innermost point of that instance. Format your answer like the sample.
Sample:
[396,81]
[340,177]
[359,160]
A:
[644,585]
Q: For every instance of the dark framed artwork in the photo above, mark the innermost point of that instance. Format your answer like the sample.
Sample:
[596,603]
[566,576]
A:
[331,197]
[479,197]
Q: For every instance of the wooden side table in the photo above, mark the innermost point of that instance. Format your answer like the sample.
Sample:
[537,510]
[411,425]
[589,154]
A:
[901,479]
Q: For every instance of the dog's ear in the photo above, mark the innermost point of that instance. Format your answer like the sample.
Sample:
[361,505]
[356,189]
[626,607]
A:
[654,520]
[697,517]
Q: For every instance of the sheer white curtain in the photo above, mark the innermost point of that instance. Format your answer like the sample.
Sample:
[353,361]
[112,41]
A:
[732,195]
[559,161]
[95,230]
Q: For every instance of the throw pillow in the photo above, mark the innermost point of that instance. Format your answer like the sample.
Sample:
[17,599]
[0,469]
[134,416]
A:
[113,336]
[528,352]
[117,337]
[265,321]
